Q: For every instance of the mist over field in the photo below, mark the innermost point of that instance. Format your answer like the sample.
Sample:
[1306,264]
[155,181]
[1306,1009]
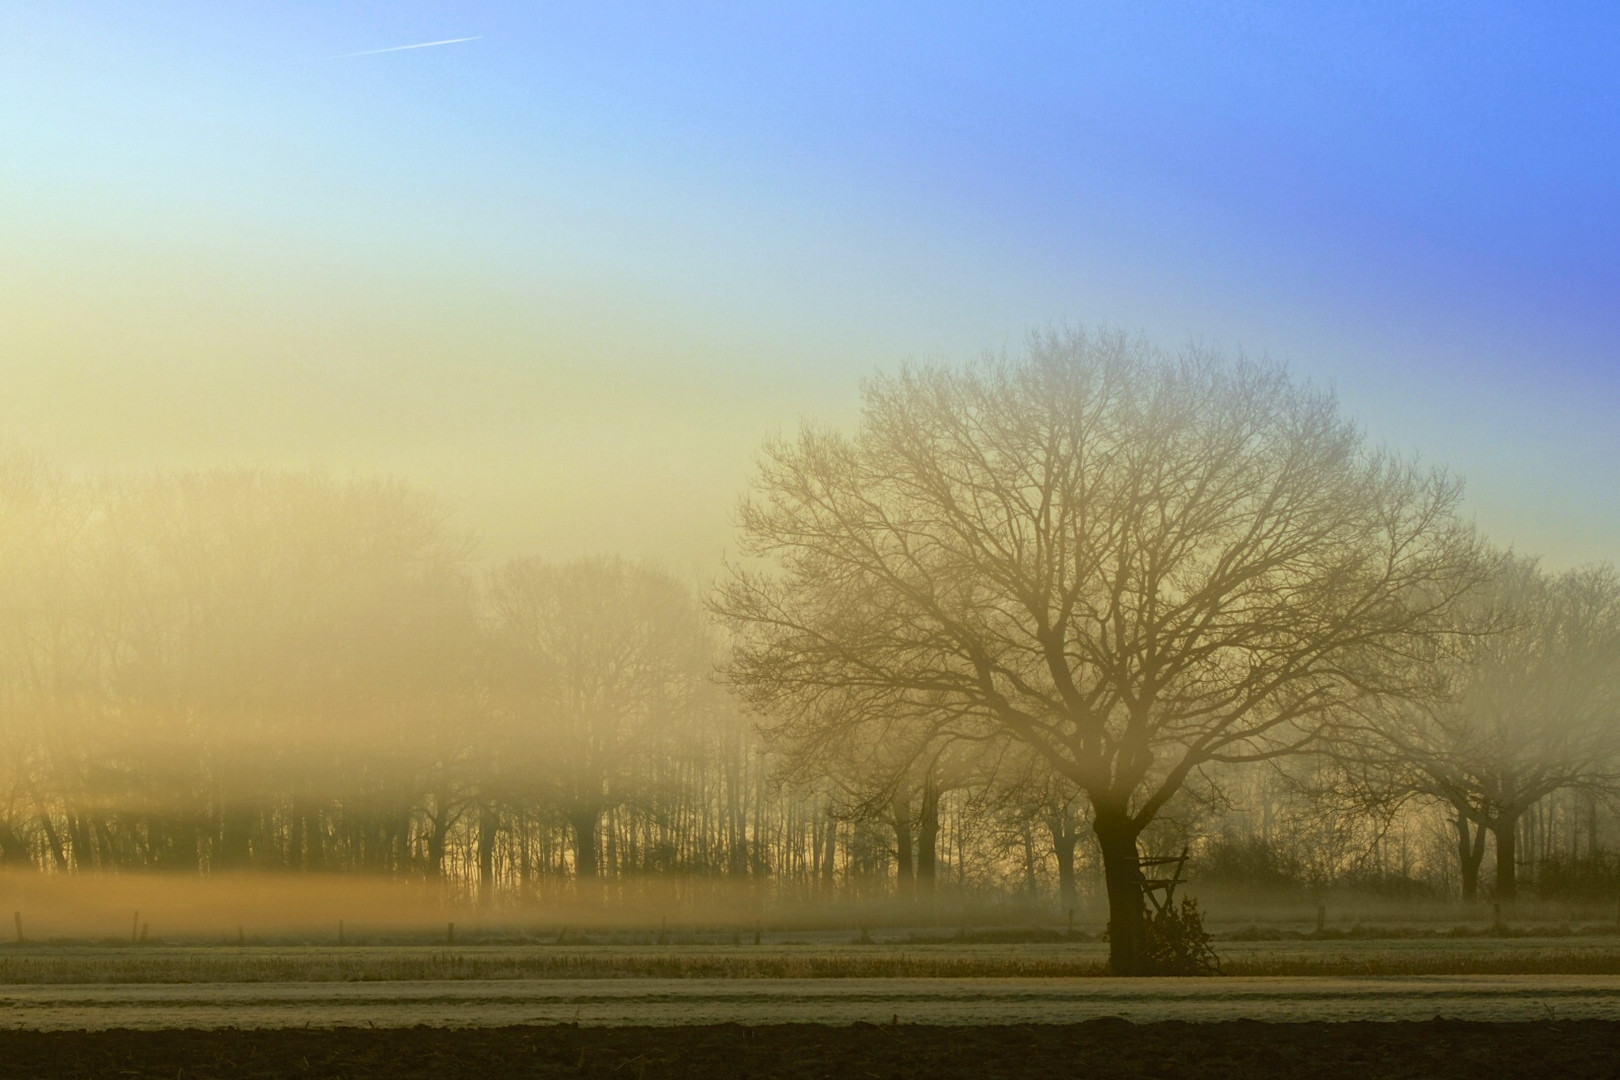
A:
[1041,641]
[517,516]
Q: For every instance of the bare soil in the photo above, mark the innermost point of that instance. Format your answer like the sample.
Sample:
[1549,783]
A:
[1096,1049]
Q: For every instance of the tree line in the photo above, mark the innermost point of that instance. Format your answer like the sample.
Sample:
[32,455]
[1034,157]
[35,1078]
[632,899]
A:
[1030,618]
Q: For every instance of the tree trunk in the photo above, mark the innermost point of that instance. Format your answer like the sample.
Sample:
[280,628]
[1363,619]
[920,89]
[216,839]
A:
[829,853]
[79,837]
[172,844]
[314,841]
[1029,859]
[525,857]
[402,842]
[1470,853]
[927,840]
[905,886]
[1063,841]
[760,861]
[736,829]
[583,823]
[1127,925]
[184,851]
[1507,882]
[295,841]
[235,832]
[54,839]
[488,822]
[437,842]
[112,855]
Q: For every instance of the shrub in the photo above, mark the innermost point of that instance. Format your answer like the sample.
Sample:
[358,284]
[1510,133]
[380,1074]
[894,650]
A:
[1391,886]
[1592,877]
[1247,861]
[1178,944]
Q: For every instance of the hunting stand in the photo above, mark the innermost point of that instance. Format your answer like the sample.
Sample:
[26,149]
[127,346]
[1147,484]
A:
[1151,886]
[1176,943]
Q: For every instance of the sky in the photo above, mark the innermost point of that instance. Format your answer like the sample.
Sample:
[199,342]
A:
[570,274]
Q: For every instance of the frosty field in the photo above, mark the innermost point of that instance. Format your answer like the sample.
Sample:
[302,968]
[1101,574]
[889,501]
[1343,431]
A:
[665,1002]
[1507,979]
[810,957]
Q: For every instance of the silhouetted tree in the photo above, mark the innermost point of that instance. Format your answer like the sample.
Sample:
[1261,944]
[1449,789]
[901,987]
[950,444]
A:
[1134,565]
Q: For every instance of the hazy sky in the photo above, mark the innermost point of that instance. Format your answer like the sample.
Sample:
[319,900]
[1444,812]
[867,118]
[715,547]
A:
[571,273]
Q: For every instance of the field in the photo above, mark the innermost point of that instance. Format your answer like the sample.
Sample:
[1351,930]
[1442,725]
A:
[1410,978]
[1354,998]
[818,957]
[674,1002]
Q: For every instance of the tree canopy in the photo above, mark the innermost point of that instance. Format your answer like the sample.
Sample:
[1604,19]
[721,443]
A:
[1135,564]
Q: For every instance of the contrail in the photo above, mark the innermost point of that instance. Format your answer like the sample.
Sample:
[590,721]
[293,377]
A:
[402,48]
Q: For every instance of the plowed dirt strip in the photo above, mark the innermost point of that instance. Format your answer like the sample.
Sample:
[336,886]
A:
[1098,1050]
[467,1003]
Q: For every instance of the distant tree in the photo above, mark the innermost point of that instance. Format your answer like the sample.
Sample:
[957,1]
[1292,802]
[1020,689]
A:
[1527,704]
[893,768]
[284,648]
[1134,565]
[48,645]
[1027,781]
[594,663]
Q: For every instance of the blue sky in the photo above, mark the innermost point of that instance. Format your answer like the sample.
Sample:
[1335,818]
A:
[569,274]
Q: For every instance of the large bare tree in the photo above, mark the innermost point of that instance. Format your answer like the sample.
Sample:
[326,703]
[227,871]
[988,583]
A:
[1136,565]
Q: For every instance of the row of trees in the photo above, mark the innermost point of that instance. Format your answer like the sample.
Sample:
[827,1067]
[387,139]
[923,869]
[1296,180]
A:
[250,669]
[1031,615]
[234,670]
[223,671]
